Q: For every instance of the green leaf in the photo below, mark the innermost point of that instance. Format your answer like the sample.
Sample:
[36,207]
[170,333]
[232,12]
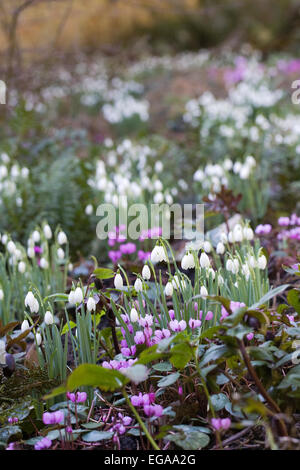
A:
[219,401]
[162,367]
[269,295]
[96,436]
[10,431]
[96,376]
[104,273]
[181,354]
[168,380]
[66,327]
[293,298]
[189,440]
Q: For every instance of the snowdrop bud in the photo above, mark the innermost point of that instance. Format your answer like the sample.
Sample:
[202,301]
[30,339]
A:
[36,236]
[91,304]
[118,281]
[204,260]
[169,289]
[203,291]
[146,273]
[207,247]
[48,318]
[4,239]
[229,265]
[1,294]
[238,233]
[71,298]
[138,285]
[220,280]
[60,253]
[231,238]
[38,338]
[89,209]
[22,267]
[24,326]
[252,262]
[248,233]
[220,248]
[11,247]
[134,316]
[30,252]
[223,237]
[44,263]
[47,231]
[262,262]
[78,295]
[62,238]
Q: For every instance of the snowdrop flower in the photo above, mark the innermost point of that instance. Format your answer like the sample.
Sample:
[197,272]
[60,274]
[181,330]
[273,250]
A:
[138,285]
[231,238]
[203,291]
[188,261]
[4,239]
[60,253]
[118,281]
[89,209]
[220,280]
[169,289]
[21,267]
[204,260]
[223,237]
[1,294]
[2,352]
[220,250]
[146,273]
[158,254]
[229,265]
[91,304]
[71,298]
[31,302]
[252,262]
[11,247]
[44,263]
[48,318]
[47,231]
[24,326]
[207,246]
[246,271]
[38,338]
[248,233]
[36,236]
[262,262]
[62,238]
[238,233]
[78,295]
[30,252]
[134,316]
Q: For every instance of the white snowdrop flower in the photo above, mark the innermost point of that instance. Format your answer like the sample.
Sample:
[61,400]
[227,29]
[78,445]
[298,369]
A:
[188,261]
[1,294]
[220,250]
[138,285]
[236,266]
[71,298]
[169,289]
[237,167]
[252,262]
[11,247]
[231,238]
[21,267]
[158,166]
[223,237]
[158,186]
[30,252]
[47,231]
[91,304]
[199,176]
[31,302]
[89,209]
[44,263]
[262,262]
[48,318]
[70,267]
[78,295]
[36,236]
[146,273]
[244,172]
[158,198]
[134,316]
[207,246]
[137,373]
[250,160]
[238,233]
[62,238]
[60,253]
[24,326]
[24,172]
[236,285]
[246,271]
[38,338]
[204,260]
[4,239]
[19,201]
[220,280]
[203,291]
[227,164]
[211,273]
[158,254]
[118,281]
[229,265]
[2,352]
[248,233]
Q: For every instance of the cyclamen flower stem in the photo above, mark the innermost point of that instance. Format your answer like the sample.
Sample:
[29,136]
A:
[139,420]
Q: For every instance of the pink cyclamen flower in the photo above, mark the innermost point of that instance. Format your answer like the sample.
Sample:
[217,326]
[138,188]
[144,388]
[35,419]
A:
[250,336]
[79,397]
[139,338]
[209,316]
[153,410]
[263,229]
[283,221]
[220,424]
[53,418]
[177,326]
[194,323]
[13,419]
[44,443]
[11,446]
